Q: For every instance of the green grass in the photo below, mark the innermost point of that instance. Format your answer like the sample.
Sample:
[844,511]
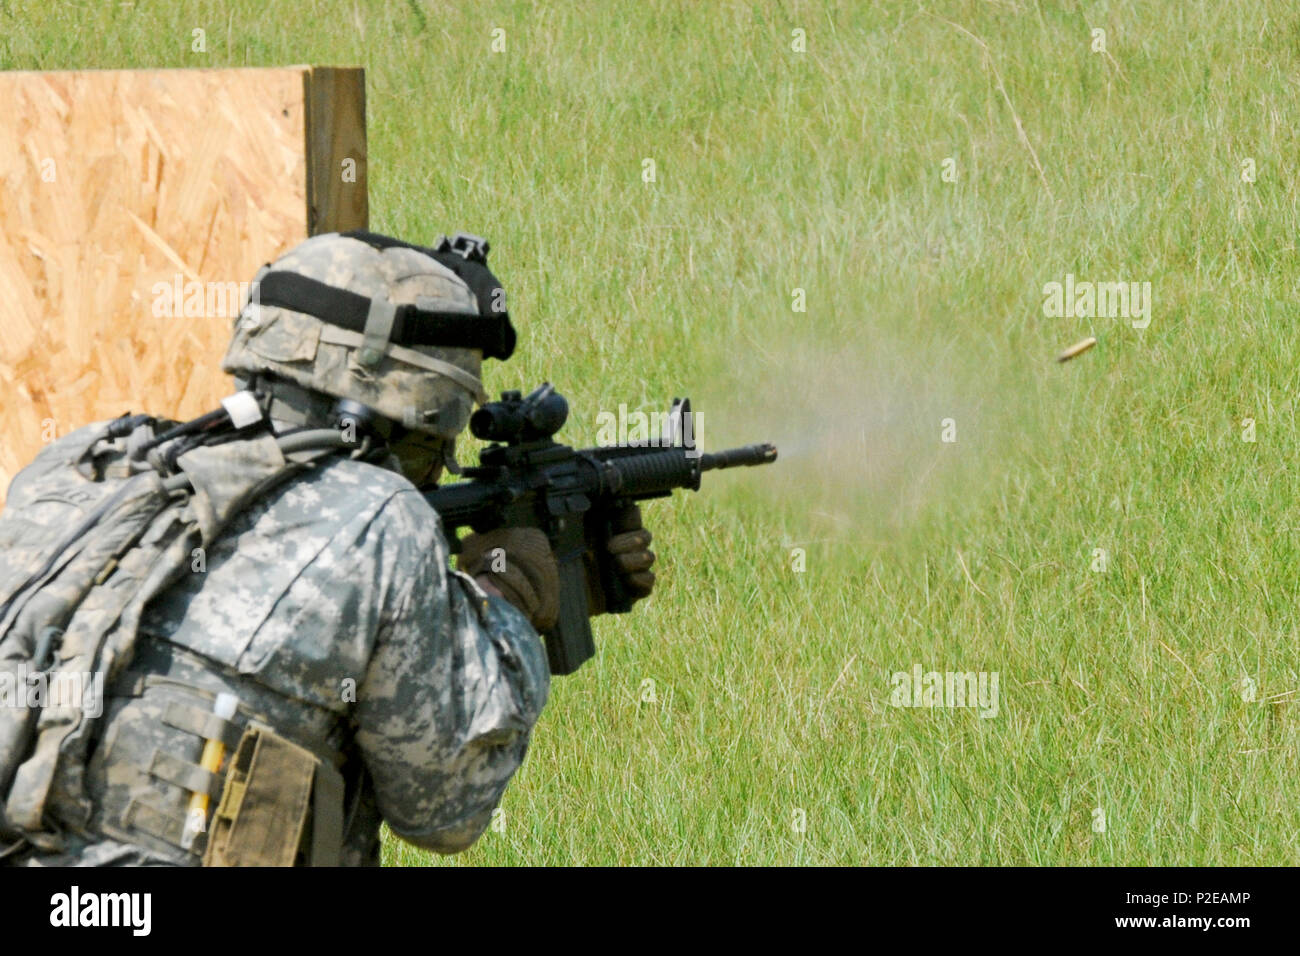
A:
[775,170]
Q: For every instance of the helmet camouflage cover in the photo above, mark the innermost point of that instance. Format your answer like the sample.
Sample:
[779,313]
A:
[350,315]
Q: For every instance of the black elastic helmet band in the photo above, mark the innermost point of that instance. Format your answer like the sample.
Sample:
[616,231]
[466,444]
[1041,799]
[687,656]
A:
[492,334]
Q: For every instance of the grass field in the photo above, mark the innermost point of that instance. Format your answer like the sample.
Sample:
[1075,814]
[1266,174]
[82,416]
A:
[743,714]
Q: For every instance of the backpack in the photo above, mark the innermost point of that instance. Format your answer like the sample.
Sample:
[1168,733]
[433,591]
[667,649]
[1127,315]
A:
[94,528]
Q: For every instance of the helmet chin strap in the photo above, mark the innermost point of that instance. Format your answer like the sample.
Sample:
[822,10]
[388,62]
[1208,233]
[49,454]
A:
[449,462]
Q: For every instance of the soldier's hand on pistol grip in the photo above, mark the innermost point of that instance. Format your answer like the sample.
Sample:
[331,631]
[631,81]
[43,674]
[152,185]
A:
[629,546]
[523,570]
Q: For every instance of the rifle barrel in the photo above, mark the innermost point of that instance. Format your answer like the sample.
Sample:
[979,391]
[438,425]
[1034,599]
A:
[749,455]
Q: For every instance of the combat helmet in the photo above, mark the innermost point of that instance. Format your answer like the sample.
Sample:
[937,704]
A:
[398,328]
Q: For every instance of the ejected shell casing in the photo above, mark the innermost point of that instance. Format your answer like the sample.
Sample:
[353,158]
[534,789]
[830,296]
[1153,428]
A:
[1077,349]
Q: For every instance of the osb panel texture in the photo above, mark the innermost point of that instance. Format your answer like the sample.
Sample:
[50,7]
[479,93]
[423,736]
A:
[117,190]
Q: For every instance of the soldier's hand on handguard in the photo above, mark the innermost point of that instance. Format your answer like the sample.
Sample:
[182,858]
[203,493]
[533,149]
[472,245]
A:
[629,546]
[516,564]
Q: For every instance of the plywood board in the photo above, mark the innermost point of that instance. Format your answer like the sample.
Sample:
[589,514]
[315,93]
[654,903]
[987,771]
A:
[135,208]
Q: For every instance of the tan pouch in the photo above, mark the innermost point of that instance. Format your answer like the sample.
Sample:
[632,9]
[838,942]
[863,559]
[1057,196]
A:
[279,801]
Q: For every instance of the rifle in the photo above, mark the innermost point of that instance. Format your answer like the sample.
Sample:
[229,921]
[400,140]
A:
[526,479]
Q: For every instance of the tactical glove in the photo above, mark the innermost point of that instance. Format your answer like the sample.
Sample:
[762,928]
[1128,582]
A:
[523,570]
[629,546]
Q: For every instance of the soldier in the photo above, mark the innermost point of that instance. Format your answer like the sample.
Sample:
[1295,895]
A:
[318,637]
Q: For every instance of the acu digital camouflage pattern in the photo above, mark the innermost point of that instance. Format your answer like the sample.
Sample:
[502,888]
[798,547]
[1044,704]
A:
[319,357]
[85,579]
[329,609]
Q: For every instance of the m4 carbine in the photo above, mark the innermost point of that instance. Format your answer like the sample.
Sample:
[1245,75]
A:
[527,480]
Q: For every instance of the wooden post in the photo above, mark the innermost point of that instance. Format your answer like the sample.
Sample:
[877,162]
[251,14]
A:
[336,150]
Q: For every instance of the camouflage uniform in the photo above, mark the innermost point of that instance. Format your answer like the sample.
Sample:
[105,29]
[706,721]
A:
[326,607]
[329,609]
